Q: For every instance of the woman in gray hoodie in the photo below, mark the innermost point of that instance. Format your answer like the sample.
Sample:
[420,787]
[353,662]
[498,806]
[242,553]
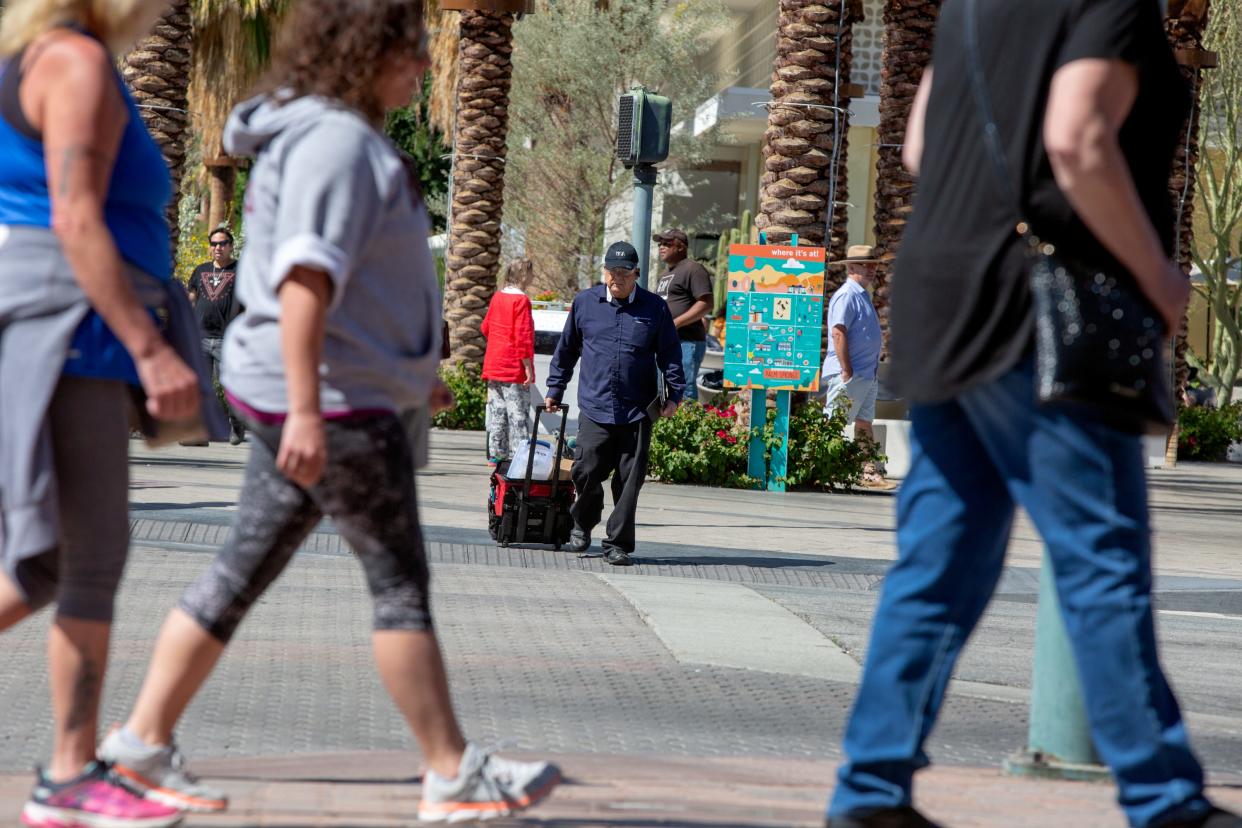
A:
[341,334]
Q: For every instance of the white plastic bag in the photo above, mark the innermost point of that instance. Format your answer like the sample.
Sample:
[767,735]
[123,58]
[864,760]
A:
[544,456]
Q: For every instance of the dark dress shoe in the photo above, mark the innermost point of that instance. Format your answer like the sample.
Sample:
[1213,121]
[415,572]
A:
[905,817]
[1216,818]
[617,557]
[579,541]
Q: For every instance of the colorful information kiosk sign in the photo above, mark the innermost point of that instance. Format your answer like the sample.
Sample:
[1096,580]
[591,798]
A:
[773,327]
[774,317]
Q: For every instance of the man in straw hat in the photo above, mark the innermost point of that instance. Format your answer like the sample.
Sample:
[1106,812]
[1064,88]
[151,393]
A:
[849,374]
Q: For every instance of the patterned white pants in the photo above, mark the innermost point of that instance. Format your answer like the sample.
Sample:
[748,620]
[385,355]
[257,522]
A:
[508,417]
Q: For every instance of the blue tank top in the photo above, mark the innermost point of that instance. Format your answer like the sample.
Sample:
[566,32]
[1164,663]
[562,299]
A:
[138,191]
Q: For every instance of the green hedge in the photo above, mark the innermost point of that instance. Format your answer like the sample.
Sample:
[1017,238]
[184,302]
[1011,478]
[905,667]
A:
[707,446]
[469,414]
[1205,432]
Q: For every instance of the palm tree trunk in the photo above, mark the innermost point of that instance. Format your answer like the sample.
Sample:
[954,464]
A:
[803,126]
[909,29]
[221,179]
[808,130]
[485,71]
[158,74]
[1185,27]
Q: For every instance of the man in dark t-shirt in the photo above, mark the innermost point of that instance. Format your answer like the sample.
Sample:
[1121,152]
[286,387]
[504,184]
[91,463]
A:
[213,292]
[687,287]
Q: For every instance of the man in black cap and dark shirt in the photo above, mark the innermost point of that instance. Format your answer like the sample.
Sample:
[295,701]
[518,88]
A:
[625,337]
[213,292]
[687,287]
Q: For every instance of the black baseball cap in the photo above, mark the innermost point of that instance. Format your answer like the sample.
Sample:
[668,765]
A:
[621,254]
[672,234]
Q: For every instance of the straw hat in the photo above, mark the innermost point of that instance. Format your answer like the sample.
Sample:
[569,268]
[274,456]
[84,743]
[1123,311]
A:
[858,254]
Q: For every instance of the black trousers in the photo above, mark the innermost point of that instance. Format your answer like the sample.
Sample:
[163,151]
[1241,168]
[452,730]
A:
[620,451]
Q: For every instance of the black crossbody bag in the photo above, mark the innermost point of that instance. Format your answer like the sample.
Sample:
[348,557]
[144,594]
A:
[1099,342]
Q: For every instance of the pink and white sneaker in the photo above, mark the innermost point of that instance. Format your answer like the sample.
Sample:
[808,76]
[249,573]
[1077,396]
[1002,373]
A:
[96,799]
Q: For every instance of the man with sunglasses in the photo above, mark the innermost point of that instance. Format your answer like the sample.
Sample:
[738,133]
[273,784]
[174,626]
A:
[212,288]
[625,338]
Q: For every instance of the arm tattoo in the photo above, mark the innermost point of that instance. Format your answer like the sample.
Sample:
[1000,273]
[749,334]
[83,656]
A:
[72,158]
[84,704]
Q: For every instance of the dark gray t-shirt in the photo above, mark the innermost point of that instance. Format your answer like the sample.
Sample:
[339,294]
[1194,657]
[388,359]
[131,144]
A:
[681,287]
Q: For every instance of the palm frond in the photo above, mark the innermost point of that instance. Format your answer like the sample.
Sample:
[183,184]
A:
[232,46]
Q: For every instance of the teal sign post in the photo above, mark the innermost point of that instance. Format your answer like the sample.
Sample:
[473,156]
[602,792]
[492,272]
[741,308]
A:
[774,320]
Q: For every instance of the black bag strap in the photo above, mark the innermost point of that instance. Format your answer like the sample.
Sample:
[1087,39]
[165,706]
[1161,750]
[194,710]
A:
[991,132]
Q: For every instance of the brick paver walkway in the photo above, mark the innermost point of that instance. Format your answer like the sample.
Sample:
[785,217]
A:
[379,790]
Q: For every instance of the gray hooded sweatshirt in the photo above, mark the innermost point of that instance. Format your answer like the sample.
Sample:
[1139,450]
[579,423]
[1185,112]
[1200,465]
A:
[328,191]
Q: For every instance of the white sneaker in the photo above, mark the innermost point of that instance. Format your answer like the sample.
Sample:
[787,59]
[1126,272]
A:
[486,787]
[160,774]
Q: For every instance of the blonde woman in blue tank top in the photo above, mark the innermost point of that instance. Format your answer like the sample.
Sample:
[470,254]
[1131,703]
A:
[82,195]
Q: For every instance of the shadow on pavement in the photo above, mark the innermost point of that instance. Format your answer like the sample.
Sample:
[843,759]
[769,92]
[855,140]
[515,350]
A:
[181,461]
[318,780]
[753,562]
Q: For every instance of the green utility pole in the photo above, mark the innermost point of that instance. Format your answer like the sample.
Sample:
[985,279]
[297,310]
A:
[1059,740]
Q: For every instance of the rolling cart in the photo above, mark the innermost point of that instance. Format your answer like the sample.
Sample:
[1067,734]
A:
[522,510]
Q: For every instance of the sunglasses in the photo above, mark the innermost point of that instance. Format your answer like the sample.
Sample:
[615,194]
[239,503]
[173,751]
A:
[222,244]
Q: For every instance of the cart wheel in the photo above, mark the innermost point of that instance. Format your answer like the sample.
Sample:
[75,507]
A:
[557,547]
[504,544]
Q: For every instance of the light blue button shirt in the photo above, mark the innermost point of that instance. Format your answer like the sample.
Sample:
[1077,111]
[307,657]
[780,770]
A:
[851,308]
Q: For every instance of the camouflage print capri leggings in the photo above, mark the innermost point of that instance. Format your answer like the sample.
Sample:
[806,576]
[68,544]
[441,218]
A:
[368,491]
[508,417]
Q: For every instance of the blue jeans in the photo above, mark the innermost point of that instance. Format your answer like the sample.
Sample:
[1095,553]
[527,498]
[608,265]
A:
[973,459]
[691,358]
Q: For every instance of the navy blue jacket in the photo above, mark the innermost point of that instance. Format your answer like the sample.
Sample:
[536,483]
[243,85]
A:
[621,346]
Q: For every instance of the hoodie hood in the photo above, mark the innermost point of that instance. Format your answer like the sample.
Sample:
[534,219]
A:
[254,123]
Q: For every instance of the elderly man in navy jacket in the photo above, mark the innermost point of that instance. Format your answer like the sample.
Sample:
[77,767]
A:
[625,338]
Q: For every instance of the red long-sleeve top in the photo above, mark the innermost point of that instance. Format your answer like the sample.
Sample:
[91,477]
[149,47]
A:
[510,330]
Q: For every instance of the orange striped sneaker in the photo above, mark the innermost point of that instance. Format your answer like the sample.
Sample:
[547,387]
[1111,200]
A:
[486,787]
[160,774]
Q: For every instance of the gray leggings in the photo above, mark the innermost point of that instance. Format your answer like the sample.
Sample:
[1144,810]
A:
[90,446]
[368,491]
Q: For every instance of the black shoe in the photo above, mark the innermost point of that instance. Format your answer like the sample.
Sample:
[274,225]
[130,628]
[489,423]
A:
[579,541]
[1217,818]
[194,443]
[888,818]
[617,557]
[236,438]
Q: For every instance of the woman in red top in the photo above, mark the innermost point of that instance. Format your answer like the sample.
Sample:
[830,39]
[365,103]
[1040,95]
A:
[509,363]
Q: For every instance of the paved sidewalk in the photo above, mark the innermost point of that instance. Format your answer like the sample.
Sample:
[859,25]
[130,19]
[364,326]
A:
[1196,510]
[379,790]
[707,686]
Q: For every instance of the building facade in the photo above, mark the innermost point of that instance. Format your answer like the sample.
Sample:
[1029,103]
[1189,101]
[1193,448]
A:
[710,198]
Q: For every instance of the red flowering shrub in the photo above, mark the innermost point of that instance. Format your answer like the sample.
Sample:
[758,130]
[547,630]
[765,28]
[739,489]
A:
[707,445]
[699,444]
